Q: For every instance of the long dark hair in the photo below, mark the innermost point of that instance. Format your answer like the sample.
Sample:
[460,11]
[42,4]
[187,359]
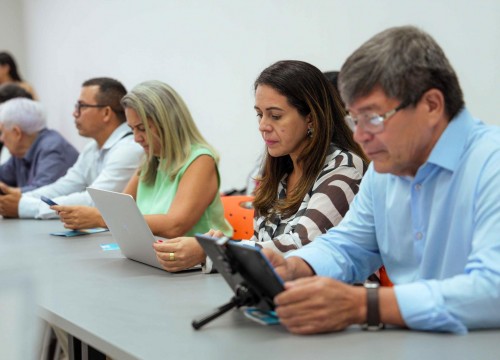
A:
[7,59]
[308,90]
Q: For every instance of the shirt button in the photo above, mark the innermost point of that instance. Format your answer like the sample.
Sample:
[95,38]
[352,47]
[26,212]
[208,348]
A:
[419,235]
[418,187]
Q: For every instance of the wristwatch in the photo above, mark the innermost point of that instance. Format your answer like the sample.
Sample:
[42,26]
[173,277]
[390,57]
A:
[372,307]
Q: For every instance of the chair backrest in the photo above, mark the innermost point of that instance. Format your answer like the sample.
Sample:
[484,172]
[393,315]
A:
[384,278]
[238,211]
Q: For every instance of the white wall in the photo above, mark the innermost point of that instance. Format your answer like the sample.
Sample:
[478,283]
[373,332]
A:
[12,31]
[211,51]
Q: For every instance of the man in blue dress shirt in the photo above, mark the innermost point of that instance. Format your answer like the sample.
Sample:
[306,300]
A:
[40,156]
[428,208]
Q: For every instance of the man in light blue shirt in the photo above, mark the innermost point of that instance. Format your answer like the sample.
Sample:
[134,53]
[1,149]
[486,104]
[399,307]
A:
[428,208]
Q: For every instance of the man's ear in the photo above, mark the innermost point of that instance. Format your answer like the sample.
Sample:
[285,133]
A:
[434,103]
[108,112]
[16,132]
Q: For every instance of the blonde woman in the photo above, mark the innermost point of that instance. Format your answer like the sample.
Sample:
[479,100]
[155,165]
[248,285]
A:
[177,186]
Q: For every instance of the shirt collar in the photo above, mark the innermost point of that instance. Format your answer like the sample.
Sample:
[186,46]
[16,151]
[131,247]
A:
[450,146]
[120,132]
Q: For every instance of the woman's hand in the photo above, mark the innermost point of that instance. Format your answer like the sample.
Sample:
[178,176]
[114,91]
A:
[215,233]
[179,253]
[79,217]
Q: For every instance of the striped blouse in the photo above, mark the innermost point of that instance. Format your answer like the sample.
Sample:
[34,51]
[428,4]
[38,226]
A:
[323,207]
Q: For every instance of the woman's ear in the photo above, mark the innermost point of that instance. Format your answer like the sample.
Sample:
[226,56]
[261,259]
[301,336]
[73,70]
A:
[309,120]
[310,128]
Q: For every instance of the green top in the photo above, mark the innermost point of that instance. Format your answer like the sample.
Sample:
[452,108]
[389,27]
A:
[157,198]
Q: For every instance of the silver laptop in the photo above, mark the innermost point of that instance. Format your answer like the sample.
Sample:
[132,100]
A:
[127,225]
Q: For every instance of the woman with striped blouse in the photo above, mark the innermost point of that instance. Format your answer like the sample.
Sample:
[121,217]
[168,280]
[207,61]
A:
[311,169]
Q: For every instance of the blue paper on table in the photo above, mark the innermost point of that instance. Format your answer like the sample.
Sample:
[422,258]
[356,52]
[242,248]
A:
[110,246]
[71,233]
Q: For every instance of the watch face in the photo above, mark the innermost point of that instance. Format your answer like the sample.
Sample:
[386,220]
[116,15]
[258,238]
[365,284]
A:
[371,285]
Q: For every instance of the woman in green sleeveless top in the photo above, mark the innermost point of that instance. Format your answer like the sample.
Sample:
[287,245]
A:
[177,185]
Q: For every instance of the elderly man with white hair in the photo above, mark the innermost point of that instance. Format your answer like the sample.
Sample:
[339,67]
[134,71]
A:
[39,155]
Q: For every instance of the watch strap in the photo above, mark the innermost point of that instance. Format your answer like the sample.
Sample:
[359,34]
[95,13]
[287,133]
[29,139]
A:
[372,308]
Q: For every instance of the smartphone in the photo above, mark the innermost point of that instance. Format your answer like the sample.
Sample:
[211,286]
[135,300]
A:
[48,201]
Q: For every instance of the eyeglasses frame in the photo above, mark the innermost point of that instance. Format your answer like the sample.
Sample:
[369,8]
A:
[79,106]
[352,121]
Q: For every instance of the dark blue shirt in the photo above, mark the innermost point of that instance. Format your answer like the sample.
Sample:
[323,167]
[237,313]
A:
[48,158]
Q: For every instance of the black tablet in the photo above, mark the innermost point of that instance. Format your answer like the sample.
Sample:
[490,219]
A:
[244,266]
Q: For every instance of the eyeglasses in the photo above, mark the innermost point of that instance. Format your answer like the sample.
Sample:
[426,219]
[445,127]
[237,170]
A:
[79,106]
[371,123]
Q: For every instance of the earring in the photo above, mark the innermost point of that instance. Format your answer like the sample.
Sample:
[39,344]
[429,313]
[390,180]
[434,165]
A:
[310,132]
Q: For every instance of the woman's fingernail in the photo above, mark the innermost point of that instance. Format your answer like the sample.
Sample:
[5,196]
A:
[159,241]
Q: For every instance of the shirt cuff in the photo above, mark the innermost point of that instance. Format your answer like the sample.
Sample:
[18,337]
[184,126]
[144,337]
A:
[422,307]
[208,266]
[319,262]
[45,212]
[33,208]
[27,208]
[247,242]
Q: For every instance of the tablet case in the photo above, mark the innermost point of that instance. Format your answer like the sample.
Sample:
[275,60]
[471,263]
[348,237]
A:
[246,270]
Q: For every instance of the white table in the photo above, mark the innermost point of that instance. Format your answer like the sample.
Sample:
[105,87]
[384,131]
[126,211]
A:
[133,311]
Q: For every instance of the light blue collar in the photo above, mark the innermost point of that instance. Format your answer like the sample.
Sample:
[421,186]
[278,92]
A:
[450,146]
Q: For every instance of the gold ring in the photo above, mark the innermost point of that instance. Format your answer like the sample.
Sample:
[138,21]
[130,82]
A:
[171,257]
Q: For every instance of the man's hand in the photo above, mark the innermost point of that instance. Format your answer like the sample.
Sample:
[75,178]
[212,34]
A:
[278,262]
[290,268]
[6,189]
[9,201]
[79,217]
[318,304]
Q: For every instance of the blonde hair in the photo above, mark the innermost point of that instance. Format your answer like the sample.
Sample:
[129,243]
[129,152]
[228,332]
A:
[157,104]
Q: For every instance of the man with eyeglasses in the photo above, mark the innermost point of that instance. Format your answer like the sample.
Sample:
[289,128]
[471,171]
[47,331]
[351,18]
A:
[428,208]
[107,162]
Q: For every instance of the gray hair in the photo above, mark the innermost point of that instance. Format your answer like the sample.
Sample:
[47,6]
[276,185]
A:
[405,62]
[25,113]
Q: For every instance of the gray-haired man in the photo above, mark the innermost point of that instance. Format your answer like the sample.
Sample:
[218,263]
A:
[40,156]
[427,208]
